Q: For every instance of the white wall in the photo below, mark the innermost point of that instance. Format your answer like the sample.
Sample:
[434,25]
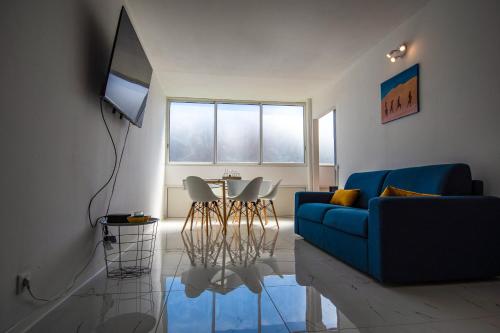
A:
[55,148]
[326,177]
[457,46]
[294,178]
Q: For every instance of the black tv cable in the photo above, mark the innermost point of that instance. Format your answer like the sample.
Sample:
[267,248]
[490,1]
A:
[94,223]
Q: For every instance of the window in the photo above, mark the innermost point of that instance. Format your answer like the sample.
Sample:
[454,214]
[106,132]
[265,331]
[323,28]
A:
[326,129]
[283,134]
[238,133]
[192,132]
[224,132]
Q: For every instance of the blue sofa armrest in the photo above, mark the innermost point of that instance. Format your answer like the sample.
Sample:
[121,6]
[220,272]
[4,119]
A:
[418,239]
[309,197]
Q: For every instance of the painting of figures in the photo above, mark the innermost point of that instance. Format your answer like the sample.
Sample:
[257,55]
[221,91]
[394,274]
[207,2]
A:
[399,95]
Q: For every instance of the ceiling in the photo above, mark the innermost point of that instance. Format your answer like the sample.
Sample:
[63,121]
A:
[262,49]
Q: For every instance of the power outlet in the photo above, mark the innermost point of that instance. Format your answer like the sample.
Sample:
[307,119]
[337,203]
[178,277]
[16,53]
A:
[20,285]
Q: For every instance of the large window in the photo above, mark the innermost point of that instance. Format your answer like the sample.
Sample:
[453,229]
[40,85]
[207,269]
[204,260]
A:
[327,139]
[238,133]
[283,134]
[192,132]
[257,133]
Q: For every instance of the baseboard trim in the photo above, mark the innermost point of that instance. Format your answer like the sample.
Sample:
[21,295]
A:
[37,315]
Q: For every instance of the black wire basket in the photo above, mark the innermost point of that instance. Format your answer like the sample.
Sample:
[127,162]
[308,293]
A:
[129,248]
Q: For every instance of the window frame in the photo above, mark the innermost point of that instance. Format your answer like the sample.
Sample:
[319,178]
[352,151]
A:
[214,162]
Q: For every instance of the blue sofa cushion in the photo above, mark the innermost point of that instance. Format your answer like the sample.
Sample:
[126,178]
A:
[314,211]
[443,179]
[369,183]
[353,221]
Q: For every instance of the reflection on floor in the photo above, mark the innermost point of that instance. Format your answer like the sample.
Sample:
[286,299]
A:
[266,282]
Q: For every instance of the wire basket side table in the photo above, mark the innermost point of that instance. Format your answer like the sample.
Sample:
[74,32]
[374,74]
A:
[132,254]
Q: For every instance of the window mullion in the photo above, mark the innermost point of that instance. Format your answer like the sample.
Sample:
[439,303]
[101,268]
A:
[215,133]
[334,137]
[261,144]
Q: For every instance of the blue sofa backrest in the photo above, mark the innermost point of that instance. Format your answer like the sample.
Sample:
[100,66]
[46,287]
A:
[443,179]
[370,184]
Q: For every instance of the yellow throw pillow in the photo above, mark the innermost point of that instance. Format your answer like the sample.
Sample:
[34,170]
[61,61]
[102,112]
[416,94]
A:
[345,197]
[391,191]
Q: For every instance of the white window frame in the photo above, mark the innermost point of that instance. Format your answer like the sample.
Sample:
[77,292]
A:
[214,162]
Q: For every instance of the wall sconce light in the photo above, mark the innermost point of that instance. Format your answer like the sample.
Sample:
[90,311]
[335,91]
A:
[397,53]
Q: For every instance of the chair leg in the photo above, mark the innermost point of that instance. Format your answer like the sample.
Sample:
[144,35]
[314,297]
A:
[219,215]
[202,215]
[237,211]
[258,214]
[246,213]
[207,217]
[274,213]
[188,216]
[251,216]
[264,209]
[209,214]
[239,215]
[197,215]
[230,209]
[192,215]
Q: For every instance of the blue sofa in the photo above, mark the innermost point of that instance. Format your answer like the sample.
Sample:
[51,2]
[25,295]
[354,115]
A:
[400,240]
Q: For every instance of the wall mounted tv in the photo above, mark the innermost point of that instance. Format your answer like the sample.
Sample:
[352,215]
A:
[129,73]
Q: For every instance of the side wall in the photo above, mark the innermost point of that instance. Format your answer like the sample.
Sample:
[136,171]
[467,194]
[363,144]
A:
[457,46]
[55,149]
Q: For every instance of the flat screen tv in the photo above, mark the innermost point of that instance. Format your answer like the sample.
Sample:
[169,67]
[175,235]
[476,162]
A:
[129,73]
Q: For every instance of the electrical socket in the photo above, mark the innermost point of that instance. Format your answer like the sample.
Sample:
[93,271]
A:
[20,282]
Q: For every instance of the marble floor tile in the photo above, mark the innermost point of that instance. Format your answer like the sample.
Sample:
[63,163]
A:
[238,310]
[304,309]
[477,325]
[270,281]
[163,269]
[115,313]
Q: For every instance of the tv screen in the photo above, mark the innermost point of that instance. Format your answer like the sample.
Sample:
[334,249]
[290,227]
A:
[129,74]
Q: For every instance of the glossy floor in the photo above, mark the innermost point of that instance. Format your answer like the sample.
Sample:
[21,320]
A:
[266,282]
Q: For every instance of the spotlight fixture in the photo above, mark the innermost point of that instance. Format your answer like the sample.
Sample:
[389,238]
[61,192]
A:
[397,53]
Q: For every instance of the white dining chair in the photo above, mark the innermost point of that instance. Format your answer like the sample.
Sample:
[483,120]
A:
[235,186]
[203,200]
[265,187]
[245,203]
[266,202]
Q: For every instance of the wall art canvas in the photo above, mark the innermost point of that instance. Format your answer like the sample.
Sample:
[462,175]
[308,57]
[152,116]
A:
[399,95]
